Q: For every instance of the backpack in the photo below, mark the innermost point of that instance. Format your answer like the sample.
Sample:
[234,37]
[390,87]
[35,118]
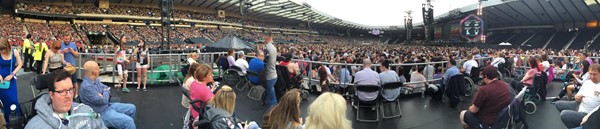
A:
[224,62]
[185,68]
[212,118]
[217,118]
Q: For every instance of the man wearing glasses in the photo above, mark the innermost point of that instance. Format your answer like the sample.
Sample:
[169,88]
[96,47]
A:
[588,98]
[96,94]
[56,109]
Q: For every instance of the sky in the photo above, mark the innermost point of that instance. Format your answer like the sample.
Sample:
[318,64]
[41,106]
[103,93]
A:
[382,12]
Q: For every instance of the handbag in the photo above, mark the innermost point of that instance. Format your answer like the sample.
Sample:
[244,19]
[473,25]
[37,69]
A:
[6,84]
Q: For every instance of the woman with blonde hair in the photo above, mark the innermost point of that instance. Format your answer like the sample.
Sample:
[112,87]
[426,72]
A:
[286,114]
[224,99]
[328,111]
[223,105]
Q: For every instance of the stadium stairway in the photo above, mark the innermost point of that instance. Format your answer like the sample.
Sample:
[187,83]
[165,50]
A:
[502,38]
[560,40]
[539,39]
[79,33]
[519,38]
[140,34]
[581,40]
[596,43]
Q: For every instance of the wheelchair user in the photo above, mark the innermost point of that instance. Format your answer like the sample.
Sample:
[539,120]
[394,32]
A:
[489,101]
[57,110]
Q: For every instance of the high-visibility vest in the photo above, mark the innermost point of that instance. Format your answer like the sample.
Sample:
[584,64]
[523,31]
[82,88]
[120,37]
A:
[38,52]
[27,43]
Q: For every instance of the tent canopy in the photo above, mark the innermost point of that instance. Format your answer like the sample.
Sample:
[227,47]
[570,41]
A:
[201,40]
[230,42]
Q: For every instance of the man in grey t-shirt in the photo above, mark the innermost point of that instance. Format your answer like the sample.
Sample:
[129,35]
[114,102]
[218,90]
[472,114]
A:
[270,72]
[389,76]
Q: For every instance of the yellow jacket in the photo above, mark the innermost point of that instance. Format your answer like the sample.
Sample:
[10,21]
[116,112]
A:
[37,55]
[26,44]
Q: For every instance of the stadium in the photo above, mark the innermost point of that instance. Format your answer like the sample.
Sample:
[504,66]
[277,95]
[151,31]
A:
[216,64]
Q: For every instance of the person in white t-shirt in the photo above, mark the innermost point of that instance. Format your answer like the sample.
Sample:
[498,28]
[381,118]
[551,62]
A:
[545,62]
[588,98]
[499,59]
[242,64]
[467,66]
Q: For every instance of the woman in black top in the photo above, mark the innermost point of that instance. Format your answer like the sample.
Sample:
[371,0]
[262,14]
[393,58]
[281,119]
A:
[141,63]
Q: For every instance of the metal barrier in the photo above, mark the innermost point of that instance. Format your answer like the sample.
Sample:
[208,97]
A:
[355,68]
[174,61]
[521,68]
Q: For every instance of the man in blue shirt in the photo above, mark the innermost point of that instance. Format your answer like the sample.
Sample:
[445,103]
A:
[96,94]
[70,52]
[452,70]
[256,65]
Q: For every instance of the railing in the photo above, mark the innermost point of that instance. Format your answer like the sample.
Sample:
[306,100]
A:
[520,69]
[356,67]
[174,61]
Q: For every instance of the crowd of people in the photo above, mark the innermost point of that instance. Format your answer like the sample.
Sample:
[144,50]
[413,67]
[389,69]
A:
[340,52]
[146,11]
[11,29]
[580,73]
[45,7]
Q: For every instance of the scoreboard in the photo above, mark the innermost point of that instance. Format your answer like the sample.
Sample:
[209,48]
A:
[471,28]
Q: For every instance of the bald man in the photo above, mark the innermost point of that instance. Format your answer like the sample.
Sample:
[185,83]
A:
[366,77]
[96,94]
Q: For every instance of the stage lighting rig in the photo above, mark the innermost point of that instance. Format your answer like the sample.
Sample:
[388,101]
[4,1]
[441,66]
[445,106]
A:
[428,20]
[408,25]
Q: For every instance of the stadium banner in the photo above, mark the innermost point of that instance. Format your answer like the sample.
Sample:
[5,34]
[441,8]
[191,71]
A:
[455,30]
[437,32]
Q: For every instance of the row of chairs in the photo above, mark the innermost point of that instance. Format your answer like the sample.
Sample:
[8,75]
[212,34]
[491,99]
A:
[379,103]
[256,90]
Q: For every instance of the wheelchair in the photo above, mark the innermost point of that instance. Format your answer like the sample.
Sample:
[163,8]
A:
[473,80]
[233,75]
[530,99]
[27,108]
[285,82]
[516,111]
[532,94]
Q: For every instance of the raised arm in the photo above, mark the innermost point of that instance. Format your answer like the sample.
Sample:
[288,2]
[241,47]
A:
[45,66]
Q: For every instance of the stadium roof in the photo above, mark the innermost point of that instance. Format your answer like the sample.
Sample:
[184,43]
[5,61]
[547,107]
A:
[532,13]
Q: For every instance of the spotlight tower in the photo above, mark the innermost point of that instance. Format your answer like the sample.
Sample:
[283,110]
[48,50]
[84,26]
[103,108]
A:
[408,25]
[166,17]
[428,20]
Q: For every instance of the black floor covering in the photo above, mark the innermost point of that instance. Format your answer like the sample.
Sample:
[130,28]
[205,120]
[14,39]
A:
[160,108]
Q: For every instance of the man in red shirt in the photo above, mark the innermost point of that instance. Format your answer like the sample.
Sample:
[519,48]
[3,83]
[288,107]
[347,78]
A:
[490,99]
